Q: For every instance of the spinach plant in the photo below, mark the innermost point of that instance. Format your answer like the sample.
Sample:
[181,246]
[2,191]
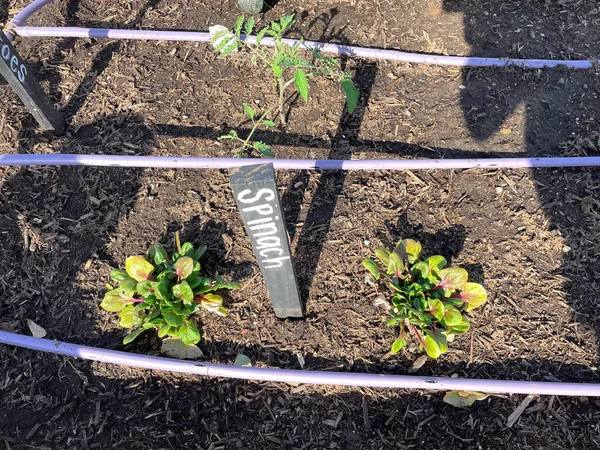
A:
[162,292]
[427,300]
[285,62]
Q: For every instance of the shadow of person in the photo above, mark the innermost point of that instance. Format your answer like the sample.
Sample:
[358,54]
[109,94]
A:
[558,109]
[55,221]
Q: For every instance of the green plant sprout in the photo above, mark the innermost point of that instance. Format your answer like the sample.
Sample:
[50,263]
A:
[427,299]
[260,147]
[161,291]
[286,64]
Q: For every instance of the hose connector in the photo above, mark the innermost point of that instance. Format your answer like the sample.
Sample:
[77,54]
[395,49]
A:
[10,28]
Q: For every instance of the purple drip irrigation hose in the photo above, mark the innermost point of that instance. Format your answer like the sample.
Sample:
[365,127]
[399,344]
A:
[299,376]
[23,15]
[292,164]
[337,49]
[16,27]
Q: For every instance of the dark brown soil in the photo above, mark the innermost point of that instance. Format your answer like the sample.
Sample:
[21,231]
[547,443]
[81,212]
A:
[532,237]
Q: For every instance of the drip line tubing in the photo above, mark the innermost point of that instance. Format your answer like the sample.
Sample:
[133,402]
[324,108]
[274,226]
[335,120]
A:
[299,376]
[22,16]
[292,164]
[16,27]
[336,49]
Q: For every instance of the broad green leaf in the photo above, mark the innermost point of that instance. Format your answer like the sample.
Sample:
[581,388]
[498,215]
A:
[263,149]
[420,269]
[249,26]
[437,309]
[301,84]
[184,292]
[138,268]
[268,123]
[352,95]
[158,254]
[129,317]
[131,336]
[473,294]
[184,267]
[440,339]
[214,303]
[408,250]
[164,330]
[249,111]
[196,282]
[114,301]
[187,249]
[395,265]
[371,266]
[436,262]
[459,328]
[451,301]
[462,399]
[275,26]
[432,348]
[127,287]
[277,71]
[452,317]
[383,255]
[398,345]
[451,279]
[183,309]
[146,288]
[119,275]
[188,333]
[172,318]
[162,290]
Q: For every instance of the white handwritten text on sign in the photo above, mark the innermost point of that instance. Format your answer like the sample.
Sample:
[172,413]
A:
[13,61]
[263,228]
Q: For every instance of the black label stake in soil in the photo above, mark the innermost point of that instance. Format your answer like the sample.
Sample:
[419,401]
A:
[255,191]
[22,81]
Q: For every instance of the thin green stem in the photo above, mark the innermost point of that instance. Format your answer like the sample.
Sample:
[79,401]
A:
[256,123]
[282,86]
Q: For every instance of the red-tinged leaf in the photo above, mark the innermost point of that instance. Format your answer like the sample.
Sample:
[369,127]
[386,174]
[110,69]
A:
[115,302]
[189,333]
[473,294]
[184,267]
[408,250]
[395,265]
[462,399]
[138,268]
[451,279]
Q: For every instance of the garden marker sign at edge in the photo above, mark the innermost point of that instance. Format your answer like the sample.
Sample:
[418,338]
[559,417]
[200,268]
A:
[19,77]
[255,191]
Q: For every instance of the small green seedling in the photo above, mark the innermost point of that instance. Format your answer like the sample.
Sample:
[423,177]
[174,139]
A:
[286,64]
[247,145]
[161,291]
[427,299]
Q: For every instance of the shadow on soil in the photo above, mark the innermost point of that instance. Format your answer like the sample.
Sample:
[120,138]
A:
[561,112]
[42,218]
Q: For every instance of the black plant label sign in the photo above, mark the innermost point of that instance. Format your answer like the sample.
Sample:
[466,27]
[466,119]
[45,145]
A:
[20,78]
[255,191]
